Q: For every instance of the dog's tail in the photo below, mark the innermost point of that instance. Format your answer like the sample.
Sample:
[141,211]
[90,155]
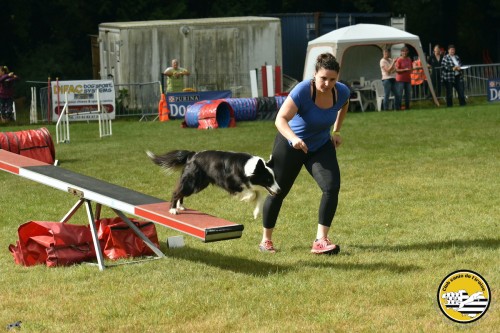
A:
[172,160]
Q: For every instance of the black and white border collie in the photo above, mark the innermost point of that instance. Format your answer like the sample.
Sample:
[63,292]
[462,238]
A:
[240,174]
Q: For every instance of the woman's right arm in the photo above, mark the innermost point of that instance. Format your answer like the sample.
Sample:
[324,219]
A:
[387,65]
[287,111]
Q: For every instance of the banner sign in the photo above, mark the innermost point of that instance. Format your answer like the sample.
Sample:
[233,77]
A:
[494,90]
[82,98]
[179,102]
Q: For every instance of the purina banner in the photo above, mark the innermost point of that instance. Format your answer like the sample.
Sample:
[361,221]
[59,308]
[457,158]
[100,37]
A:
[179,102]
[82,98]
[494,90]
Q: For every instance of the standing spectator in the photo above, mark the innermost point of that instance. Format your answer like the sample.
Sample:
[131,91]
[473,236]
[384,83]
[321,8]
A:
[175,77]
[435,61]
[388,69]
[404,68]
[6,94]
[452,77]
[418,79]
[309,123]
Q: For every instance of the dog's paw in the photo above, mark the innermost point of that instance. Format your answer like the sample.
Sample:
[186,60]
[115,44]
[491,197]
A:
[256,213]
[181,207]
[259,207]
[248,196]
[173,211]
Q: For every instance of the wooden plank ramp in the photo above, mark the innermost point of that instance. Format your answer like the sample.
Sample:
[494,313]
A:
[206,227]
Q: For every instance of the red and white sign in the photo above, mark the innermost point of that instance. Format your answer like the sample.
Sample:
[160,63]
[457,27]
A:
[82,98]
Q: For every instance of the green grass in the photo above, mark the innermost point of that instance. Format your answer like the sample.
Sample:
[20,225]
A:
[419,199]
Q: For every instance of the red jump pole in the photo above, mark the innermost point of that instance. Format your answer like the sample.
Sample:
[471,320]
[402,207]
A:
[277,80]
[264,81]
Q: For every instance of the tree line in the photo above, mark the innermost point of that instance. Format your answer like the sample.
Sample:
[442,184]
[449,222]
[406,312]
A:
[51,38]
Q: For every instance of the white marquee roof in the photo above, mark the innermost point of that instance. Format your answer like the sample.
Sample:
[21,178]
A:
[358,48]
[367,34]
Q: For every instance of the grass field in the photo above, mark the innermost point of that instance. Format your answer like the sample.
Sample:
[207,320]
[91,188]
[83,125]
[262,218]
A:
[419,200]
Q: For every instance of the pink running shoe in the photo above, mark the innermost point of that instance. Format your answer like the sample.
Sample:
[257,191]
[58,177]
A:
[324,246]
[267,246]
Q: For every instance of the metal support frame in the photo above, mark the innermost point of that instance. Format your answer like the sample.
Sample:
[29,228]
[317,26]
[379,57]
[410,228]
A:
[62,125]
[105,127]
[93,228]
[95,236]
[33,107]
[139,233]
[121,200]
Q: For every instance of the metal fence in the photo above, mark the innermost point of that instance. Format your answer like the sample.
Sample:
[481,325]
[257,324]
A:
[38,90]
[476,78]
[475,82]
[238,84]
[137,99]
[141,99]
[131,100]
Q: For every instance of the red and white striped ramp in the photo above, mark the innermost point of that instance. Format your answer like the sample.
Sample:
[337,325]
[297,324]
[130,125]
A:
[121,200]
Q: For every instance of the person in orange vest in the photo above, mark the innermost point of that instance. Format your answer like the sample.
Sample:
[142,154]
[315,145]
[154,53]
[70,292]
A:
[418,77]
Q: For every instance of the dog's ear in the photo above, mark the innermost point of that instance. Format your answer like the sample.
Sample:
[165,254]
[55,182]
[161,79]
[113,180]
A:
[260,164]
[270,162]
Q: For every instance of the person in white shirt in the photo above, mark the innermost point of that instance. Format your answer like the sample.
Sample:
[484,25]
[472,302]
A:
[388,69]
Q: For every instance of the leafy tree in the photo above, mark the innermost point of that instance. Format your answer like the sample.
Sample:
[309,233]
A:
[51,38]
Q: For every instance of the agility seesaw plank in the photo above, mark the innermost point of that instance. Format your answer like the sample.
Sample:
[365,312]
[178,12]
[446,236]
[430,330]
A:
[206,227]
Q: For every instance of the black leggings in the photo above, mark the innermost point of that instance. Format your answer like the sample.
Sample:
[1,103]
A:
[321,164]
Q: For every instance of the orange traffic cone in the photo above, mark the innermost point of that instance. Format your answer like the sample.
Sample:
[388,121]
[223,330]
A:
[163,110]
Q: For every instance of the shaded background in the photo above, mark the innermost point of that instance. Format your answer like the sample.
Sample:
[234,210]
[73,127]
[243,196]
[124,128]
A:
[52,38]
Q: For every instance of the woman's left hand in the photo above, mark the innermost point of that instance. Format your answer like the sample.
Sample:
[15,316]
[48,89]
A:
[337,140]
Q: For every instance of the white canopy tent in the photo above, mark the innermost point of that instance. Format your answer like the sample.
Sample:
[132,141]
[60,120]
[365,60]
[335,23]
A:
[358,48]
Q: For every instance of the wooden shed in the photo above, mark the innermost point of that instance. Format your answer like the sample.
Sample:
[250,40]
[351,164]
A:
[219,52]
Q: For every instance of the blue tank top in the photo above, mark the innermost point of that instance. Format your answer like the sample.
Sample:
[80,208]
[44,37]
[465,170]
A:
[311,123]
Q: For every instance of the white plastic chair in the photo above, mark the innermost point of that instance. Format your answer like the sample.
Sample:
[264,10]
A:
[378,87]
[358,99]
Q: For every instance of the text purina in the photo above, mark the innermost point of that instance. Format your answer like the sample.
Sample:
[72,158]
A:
[190,98]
